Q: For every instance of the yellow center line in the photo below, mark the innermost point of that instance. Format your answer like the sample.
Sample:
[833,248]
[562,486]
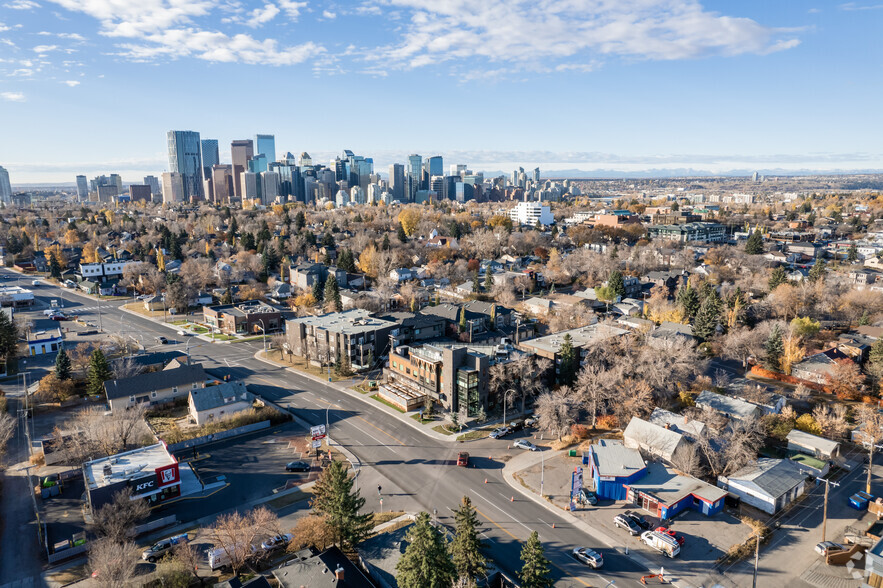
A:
[563,572]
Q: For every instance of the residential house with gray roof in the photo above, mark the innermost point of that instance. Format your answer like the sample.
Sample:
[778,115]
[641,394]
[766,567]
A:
[767,484]
[175,381]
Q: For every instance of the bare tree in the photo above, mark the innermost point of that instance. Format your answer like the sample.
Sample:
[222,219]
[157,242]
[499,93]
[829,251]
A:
[741,444]
[595,389]
[743,343]
[555,411]
[870,421]
[116,520]
[110,434]
[311,530]
[832,420]
[189,558]
[7,430]
[126,368]
[113,564]
[687,460]
[236,533]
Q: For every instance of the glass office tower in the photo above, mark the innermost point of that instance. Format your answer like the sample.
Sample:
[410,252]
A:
[185,158]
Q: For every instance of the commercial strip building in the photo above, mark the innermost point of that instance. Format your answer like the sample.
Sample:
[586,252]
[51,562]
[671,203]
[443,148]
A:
[251,317]
[327,338]
[16,296]
[689,232]
[150,473]
[42,342]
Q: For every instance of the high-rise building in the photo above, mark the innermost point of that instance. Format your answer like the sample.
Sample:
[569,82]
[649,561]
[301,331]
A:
[258,163]
[139,192]
[116,180]
[242,151]
[222,182]
[269,187]
[82,189]
[306,160]
[5,186]
[536,175]
[210,157]
[251,186]
[155,190]
[397,181]
[108,192]
[185,158]
[434,166]
[414,175]
[266,144]
[172,187]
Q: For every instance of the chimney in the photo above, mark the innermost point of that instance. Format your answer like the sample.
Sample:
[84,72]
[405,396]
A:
[686,419]
[668,425]
[338,573]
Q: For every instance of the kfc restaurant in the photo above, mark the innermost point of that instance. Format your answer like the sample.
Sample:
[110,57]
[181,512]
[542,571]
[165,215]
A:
[151,473]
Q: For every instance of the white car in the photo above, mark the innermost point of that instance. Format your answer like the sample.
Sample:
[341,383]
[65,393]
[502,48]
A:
[525,444]
[277,542]
[825,547]
[590,557]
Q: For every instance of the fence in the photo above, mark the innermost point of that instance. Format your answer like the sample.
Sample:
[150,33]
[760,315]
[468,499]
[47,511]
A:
[68,553]
[196,442]
[154,525]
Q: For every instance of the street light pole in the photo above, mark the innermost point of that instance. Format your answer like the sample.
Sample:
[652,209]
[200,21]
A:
[505,403]
[264,331]
[756,559]
[542,474]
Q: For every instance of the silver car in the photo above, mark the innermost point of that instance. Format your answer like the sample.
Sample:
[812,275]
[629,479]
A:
[590,557]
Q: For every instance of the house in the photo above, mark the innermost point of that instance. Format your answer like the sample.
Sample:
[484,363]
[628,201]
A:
[856,346]
[537,306]
[819,368]
[214,403]
[438,241]
[201,299]
[813,445]
[42,342]
[673,332]
[732,408]
[670,280]
[768,484]
[329,568]
[326,338]
[664,492]
[280,291]
[612,466]
[413,327]
[249,317]
[101,272]
[175,381]
[658,440]
[581,338]
[684,425]
[401,274]
[304,275]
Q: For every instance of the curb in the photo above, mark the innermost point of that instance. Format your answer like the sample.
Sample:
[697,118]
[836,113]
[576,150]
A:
[508,475]
[399,416]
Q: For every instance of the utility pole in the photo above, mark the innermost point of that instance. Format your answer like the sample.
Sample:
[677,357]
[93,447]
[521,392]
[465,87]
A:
[756,558]
[825,509]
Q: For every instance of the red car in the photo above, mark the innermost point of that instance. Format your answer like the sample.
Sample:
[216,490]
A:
[463,459]
[679,538]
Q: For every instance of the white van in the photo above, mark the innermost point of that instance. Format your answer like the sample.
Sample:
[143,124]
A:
[661,542]
[218,558]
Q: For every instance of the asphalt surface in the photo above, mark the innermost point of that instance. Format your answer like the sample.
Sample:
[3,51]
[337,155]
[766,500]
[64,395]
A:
[420,470]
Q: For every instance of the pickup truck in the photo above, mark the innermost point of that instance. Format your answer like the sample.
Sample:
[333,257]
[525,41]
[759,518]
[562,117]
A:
[162,547]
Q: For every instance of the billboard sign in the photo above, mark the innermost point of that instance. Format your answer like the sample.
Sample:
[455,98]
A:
[317,432]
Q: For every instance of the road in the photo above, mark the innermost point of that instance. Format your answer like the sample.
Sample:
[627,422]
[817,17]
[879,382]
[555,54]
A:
[420,468]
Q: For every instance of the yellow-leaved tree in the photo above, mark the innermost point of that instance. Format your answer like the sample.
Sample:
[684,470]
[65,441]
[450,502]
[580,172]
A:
[409,219]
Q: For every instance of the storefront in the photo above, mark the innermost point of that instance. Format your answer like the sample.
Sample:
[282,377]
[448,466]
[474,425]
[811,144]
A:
[149,473]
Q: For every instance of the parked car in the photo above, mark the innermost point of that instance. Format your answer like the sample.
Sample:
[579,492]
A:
[58,316]
[670,532]
[162,547]
[463,459]
[297,466]
[530,421]
[35,282]
[590,557]
[624,522]
[500,432]
[638,520]
[661,542]
[516,425]
[277,542]
[162,340]
[49,311]
[825,547]
[588,497]
[525,444]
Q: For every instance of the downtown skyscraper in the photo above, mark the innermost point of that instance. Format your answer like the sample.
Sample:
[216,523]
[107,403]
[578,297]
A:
[185,158]
[265,144]
[5,186]
[242,151]
[210,157]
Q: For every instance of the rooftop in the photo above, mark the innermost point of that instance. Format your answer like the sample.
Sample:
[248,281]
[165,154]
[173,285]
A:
[126,466]
[245,308]
[775,477]
[348,322]
[173,375]
[807,440]
[657,439]
[612,458]
[676,422]
[581,337]
[319,570]
[669,486]
[731,407]
[214,396]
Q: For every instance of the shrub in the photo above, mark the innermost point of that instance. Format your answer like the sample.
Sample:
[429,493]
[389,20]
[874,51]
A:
[686,398]
[579,431]
[249,417]
[38,459]
[607,421]
[566,441]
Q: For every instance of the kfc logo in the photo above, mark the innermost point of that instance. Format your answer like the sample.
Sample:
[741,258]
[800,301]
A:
[168,476]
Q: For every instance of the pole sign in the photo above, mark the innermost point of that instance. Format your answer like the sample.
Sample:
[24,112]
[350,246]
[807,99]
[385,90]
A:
[317,432]
[576,484]
[317,444]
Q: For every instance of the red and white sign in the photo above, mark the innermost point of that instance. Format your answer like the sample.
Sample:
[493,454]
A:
[168,475]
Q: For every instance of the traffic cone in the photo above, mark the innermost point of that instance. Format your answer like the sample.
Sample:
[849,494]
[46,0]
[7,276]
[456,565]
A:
[485,480]
[512,499]
[553,525]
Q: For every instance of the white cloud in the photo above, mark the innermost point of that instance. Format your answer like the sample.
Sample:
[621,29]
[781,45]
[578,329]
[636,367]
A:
[71,83]
[538,34]
[71,36]
[329,15]
[45,48]
[3,27]
[21,5]
[12,96]
[168,29]
[854,6]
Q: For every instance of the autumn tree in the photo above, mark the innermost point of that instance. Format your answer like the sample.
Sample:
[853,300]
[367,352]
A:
[846,380]
[235,534]
[409,218]
[53,389]
[870,424]
[311,530]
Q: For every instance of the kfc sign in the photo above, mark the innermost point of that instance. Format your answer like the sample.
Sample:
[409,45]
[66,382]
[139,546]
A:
[168,474]
[145,485]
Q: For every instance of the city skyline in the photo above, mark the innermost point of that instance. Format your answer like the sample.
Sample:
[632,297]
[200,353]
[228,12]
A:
[677,84]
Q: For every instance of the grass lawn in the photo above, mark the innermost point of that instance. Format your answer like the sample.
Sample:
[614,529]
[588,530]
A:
[389,404]
[222,337]
[473,435]
[300,364]
[198,330]
[246,339]
[416,417]
[289,499]
[442,429]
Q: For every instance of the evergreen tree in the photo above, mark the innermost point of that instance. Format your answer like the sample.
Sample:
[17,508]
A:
[616,282]
[328,240]
[346,261]
[466,547]
[332,293]
[865,319]
[875,359]
[318,291]
[400,231]
[569,362]
[8,338]
[754,244]
[384,245]
[535,572]
[333,497]
[817,272]
[426,562]
[99,372]
[488,280]
[300,220]
[227,298]
[462,319]
[247,242]
[62,365]
[54,267]
[852,254]
[706,320]
[774,349]
[777,277]
[476,283]
[688,299]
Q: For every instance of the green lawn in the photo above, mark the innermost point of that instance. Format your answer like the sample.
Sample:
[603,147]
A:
[442,429]
[199,330]
[246,339]
[416,417]
[389,404]
[473,435]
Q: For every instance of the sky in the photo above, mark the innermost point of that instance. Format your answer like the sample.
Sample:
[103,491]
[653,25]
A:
[92,86]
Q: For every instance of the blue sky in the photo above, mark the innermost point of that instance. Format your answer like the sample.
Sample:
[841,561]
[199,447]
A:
[91,86]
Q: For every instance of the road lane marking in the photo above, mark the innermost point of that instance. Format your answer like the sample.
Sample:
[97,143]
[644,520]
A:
[504,512]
